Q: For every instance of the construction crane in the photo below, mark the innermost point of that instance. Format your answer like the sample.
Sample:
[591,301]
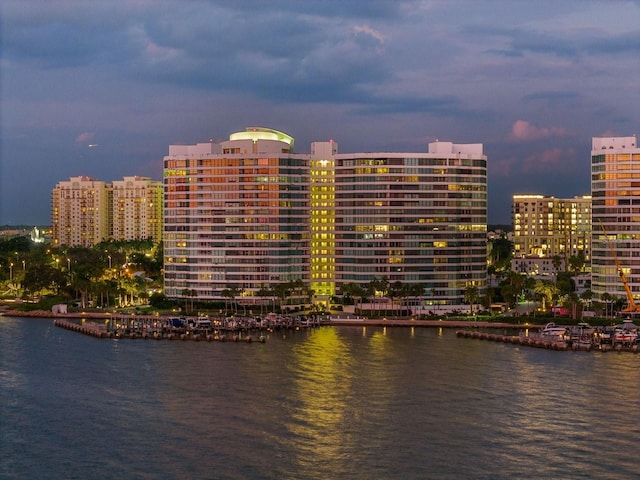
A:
[631,304]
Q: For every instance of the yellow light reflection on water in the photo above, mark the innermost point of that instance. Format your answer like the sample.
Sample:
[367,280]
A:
[322,386]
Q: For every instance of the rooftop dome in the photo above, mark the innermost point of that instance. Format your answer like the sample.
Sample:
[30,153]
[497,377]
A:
[261,133]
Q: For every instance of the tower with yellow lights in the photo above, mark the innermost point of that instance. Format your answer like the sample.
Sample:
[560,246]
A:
[322,213]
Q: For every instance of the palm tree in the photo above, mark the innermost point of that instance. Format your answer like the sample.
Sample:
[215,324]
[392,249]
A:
[379,286]
[396,290]
[470,296]
[572,301]
[354,291]
[547,290]
[263,293]
[586,296]
[416,292]
[577,262]
[556,261]
[282,291]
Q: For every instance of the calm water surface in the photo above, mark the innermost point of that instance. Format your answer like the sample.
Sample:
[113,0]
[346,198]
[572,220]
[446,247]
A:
[327,403]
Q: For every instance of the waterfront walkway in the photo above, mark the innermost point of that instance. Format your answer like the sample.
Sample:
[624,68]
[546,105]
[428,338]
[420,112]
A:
[381,322]
[345,320]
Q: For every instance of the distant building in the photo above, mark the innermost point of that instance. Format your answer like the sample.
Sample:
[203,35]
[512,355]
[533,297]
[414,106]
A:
[537,267]
[545,226]
[85,211]
[137,206]
[615,187]
[79,212]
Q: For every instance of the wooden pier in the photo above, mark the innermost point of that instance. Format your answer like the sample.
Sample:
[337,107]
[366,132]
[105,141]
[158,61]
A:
[146,328]
[548,342]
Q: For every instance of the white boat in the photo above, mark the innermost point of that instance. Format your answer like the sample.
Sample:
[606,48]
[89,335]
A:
[556,332]
[626,333]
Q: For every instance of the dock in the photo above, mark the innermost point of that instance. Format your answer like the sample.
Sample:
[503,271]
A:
[146,328]
[549,343]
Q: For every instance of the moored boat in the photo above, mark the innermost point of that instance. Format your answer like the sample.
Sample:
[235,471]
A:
[556,332]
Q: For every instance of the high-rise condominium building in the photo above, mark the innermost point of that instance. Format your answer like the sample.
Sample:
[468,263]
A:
[86,211]
[79,212]
[249,214]
[545,226]
[615,188]
[415,218]
[137,204]
[236,216]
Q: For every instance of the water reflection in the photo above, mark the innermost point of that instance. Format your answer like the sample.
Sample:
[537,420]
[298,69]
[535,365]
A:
[322,372]
[339,403]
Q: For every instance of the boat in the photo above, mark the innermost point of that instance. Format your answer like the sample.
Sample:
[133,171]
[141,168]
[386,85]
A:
[556,332]
[626,333]
[582,334]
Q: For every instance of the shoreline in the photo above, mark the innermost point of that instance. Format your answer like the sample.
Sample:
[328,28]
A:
[347,322]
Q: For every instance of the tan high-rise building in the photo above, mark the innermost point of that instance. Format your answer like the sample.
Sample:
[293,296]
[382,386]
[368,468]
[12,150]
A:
[80,212]
[85,211]
[545,226]
[136,209]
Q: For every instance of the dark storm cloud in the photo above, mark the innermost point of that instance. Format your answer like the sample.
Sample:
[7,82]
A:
[520,41]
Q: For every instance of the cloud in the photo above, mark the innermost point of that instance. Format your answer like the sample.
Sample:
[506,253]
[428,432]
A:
[523,131]
[553,161]
[554,97]
[369,37]
[85,137]
[503,167]
[373,75]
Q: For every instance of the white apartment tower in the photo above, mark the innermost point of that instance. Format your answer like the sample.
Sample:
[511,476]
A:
[248,214]
[236,216]
[415,218]
[615,191]
[80,212]
[137,209]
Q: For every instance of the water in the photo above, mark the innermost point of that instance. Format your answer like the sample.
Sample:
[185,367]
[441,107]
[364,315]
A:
[327,403]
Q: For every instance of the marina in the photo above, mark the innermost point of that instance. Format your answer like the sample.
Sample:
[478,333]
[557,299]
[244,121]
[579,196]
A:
[200,328]
[621,338]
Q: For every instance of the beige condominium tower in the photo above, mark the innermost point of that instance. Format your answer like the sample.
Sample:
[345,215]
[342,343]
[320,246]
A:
[249,214]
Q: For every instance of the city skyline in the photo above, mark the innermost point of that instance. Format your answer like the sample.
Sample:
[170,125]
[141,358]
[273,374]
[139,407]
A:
[102,91]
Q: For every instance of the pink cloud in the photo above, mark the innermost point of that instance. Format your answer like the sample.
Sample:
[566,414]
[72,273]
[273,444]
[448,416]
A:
[609,133]
[503,167]
[85,137]
[523,131]
[554,160]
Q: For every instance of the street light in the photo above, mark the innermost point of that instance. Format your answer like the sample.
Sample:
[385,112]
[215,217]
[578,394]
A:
[24,264]
[11,271]
[69,264]
[109,257]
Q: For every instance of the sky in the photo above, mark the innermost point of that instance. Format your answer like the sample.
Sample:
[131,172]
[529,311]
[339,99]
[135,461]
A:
[101,88]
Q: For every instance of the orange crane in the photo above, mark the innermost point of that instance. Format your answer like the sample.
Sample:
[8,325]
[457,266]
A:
[631,304]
